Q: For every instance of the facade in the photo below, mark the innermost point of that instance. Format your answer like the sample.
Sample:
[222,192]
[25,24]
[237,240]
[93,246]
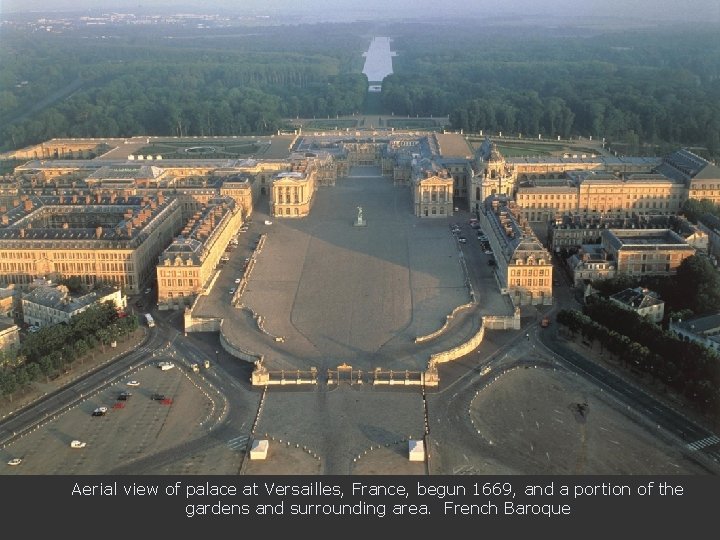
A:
[523,266]
[47,305]
[646,251]
[188,264]
[710,225]
[9,335]
[432,190]
[293,193]
[530,273]
[546,202]
[590,263]
[642,301]
[700,177]
[7,301]
[636,194]
[240,190]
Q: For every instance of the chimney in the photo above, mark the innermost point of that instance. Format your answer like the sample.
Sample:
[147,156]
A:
[74,198]
[5,219]
[87,199]
[22,233]
[65,225]
[28,205]
[98,232]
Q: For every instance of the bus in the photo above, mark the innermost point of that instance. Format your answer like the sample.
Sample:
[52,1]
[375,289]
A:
[150,320]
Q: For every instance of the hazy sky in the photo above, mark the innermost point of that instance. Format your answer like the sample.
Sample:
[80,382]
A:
[705,10]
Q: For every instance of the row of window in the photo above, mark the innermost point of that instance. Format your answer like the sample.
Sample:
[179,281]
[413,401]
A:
[178,273]
[433,210]
[530,272]
[531,282]
[179,283]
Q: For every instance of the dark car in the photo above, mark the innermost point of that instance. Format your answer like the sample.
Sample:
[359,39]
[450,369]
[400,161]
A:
[100,411]
[491,262]
[462,239]
[124,396]
[157,397]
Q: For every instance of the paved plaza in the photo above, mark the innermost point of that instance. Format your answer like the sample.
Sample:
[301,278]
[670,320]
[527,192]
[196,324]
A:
[338,293]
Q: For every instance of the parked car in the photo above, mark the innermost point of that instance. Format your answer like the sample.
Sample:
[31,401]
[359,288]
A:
[100,411]
[491,262]
[488,252]
[157,397]
[78,444]
[462,239]
[124,396]
[15,461]
[133,383]
[237,280]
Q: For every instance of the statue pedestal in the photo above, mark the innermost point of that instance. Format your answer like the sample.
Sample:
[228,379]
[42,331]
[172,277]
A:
[360,223]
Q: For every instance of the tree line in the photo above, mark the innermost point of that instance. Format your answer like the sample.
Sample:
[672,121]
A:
[641,86]
[53,349]
[685,366]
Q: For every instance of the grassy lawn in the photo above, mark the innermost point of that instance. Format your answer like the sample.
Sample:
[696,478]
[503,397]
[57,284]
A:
[201,149]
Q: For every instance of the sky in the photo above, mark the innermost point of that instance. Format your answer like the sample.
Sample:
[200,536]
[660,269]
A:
[692,10]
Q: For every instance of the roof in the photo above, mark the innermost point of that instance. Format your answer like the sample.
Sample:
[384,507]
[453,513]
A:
[644,239]
[637,298]
[59,298]
[701,325]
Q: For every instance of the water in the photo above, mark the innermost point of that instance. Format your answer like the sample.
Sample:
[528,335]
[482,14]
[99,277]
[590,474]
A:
[378,62]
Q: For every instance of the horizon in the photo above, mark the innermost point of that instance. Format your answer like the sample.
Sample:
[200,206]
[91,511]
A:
[349,10]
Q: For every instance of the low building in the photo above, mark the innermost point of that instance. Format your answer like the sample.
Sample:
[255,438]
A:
[7,301]
[704,330]
[642,301]
[589,264]
[646,251]
[9,334]
[47,305]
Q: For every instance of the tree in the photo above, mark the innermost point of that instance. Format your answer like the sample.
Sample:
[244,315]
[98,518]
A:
[698,285]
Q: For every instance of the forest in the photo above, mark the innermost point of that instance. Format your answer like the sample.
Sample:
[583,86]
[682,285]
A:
[642,88]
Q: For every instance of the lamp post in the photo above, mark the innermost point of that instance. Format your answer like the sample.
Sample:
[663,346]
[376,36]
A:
[217,353]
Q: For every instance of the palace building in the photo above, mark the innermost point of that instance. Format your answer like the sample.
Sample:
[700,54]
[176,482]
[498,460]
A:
[100,239]
[188,264]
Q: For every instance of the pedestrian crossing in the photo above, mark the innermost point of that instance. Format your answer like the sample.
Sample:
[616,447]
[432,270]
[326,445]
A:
[238,442]
[702,443]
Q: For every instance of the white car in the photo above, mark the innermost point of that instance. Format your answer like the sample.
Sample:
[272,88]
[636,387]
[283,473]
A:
[133,383]
[237,280]
[100,411]
[15,461]
[78,444]
[268,222]
[164,366]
